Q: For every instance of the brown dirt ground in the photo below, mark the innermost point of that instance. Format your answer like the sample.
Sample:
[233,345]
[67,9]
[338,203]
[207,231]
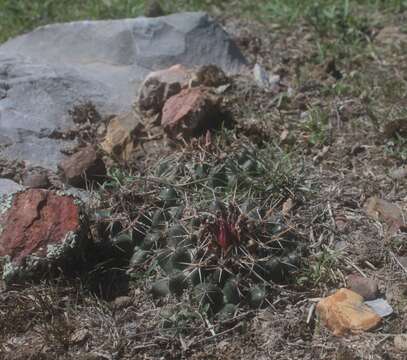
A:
[59,321]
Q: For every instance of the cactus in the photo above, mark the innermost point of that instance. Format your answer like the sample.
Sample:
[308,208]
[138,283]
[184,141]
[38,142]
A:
[178,283]
[231,292]
[226,312]
[209,297]
[160,288]
[177,235]
[257,296]
[139,257]
[164,261]
[150,241]
[181,258]
[168,197]
[124,242]
[159,220]
[198,275]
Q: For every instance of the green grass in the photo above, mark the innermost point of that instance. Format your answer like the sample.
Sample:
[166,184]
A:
[17,16]
[327,16]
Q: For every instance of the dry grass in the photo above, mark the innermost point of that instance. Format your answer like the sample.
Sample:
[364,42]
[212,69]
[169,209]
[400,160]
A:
[332,158]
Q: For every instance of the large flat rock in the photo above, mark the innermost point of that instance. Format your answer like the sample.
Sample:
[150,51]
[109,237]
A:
[44,73]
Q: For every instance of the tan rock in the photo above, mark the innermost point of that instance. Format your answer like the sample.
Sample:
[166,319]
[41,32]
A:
[288,206]
[190,112]
[344,312]
[120,139]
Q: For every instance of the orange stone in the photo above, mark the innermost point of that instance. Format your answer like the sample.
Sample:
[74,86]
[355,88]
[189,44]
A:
[344,312]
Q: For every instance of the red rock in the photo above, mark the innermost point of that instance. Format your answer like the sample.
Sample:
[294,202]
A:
[160,86]
[365,287]
[190,112]
[344,312]
[85,165]
[38,227]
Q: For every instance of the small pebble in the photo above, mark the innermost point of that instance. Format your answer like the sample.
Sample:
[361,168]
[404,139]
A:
[365,287]
[400,342]
[36,179]
[80,336]
[122,302]
[261,76]
[399,173]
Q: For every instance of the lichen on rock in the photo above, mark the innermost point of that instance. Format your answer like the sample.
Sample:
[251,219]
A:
[40,231]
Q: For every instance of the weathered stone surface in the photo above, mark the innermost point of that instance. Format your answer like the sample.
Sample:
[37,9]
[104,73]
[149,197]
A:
[45,73]
[121,136]
[161,85]
[39,229]
[365,287]
[190,112]
[83,166]
[36,178]
[345,312]
[8,187]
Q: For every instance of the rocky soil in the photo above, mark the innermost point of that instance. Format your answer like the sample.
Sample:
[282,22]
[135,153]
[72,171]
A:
[258,213]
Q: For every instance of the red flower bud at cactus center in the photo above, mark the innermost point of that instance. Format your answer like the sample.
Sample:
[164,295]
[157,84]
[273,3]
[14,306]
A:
[227,234]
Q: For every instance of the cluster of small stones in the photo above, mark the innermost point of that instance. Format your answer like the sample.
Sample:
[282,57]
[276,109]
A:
[183,99]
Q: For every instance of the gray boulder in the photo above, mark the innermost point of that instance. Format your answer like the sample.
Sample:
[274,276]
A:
[8,187]
[44,73]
